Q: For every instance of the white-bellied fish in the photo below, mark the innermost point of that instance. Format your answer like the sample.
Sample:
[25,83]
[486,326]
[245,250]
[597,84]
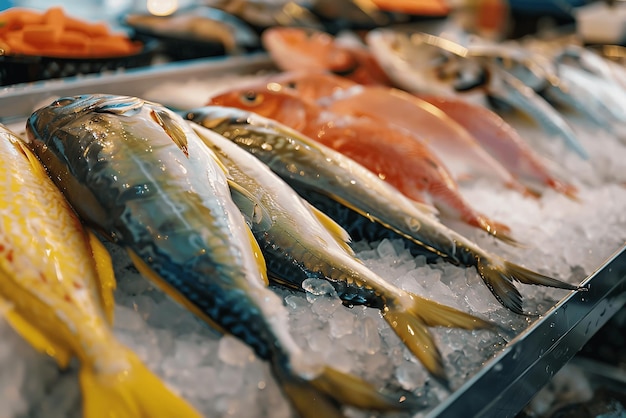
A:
[426,64]
[299,243]
[56,285]
[390,151]
[307,164]
[137,172]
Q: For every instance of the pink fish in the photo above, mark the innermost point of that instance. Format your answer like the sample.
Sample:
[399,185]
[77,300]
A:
[451,142]
[393,154]
[502,141]
[294,49]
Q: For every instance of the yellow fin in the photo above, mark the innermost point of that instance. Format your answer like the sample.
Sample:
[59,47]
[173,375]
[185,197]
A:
[151,275]
[33,335]
[326,393]
[106,277]
[410,322]
[201,131]
[414,333]
[134,392]
[341,235]
[258,255]
[172,128]
[37,167]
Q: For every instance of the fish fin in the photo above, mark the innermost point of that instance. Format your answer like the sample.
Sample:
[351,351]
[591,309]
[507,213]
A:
[258,256]
[172,128]
[495,229]
[499,279]
[35,337]
[426,208]
[252,209]
[35,164]
[564,188]
[413,332]
[106,276]
[202,132]
[324,394]
[526,276]
[151,275]
[341,235]
[436,314]
[134,392]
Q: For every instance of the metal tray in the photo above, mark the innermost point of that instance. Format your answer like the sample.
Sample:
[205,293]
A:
[507,381]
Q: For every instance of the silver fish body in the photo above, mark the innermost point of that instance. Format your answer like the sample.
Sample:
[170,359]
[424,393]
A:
[137,172]
[166,200]
[308,165]
[300,243]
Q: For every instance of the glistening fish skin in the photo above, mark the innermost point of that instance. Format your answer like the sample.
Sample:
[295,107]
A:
[306,164]
[299,242]
[58,281]
[138,173]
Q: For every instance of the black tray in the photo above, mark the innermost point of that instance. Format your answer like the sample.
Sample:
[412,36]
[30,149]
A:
[15,69]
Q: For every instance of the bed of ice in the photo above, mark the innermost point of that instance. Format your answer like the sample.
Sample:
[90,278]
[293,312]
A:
[219,375]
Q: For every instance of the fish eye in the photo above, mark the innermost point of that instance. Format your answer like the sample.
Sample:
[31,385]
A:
[251,98]
[62,102]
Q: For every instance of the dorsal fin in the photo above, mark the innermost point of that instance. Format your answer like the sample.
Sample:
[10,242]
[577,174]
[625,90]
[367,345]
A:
[172,128]
[341,235]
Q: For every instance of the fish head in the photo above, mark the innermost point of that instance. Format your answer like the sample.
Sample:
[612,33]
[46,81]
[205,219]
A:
[272,101]
[298,49]
[67,110]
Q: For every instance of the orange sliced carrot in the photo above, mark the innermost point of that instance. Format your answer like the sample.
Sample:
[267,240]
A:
[41,34]
[53,32]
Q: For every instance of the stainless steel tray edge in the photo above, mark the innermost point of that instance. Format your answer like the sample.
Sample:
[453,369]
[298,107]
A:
[508,382]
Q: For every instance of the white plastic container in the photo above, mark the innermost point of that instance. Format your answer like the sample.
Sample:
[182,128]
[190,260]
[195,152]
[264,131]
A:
[600,23]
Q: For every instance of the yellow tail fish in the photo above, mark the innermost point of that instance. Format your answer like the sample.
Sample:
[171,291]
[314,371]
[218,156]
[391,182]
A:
[56,288]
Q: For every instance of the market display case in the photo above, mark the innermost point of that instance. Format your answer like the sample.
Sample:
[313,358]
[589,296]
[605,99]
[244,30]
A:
[516,364]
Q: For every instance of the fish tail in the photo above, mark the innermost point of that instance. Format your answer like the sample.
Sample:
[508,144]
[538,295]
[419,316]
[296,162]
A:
[134,392]
[499,278]
[324,394]
[410,319]
[564,188]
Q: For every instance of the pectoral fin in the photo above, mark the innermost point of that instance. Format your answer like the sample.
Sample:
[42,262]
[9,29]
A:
[251,208]
[341,235]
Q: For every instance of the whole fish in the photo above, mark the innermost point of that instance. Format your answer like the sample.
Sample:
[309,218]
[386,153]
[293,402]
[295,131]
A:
[307,164]
[137,172]
[395,155]
[294,49]
[299,242]
[201,23]
[428,64]
[460,152]
[56,290]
